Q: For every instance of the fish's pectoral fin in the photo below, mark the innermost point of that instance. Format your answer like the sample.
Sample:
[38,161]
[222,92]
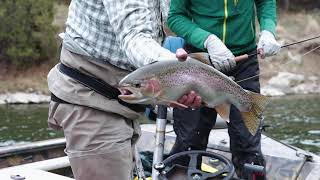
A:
[253,117]
[171,103]
[224,111]
[176,104]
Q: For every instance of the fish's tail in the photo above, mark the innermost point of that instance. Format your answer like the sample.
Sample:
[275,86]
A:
[252,118]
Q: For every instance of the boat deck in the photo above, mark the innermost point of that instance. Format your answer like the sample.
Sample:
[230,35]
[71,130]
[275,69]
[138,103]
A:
[283,161]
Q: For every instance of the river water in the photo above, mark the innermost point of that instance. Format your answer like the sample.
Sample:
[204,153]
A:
[292,119]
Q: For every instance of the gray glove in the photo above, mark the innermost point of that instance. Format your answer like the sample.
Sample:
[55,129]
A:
[221,57]
[268,44]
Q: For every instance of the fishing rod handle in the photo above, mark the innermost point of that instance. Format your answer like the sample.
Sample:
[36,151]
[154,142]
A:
[241,57]
[245,56]
[204,57]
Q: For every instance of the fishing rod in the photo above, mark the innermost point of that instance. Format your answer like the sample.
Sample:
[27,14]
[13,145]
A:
[318,47]
[246,56]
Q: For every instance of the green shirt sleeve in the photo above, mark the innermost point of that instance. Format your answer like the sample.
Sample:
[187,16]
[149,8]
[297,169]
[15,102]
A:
[267,15]
[181,23]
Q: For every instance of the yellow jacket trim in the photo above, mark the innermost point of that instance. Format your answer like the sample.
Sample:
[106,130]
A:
[225,21]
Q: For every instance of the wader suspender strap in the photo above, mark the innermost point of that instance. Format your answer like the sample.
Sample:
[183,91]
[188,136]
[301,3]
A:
[95,84]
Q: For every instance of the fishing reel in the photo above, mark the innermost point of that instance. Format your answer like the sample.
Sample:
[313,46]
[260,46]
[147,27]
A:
[168,170]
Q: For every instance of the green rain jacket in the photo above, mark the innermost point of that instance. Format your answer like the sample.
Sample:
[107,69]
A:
[233,21]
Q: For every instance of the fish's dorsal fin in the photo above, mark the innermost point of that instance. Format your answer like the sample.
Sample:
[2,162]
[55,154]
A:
[224,111]
[200,56]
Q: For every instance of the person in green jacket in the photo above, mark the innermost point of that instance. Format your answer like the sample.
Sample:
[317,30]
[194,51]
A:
[224,29]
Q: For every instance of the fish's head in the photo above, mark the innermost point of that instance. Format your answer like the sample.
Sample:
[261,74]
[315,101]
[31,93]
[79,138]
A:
[139,91]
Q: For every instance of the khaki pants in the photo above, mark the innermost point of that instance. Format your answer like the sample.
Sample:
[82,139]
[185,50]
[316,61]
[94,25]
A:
[99,144]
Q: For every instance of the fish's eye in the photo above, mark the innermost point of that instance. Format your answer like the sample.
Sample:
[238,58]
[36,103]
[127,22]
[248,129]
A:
[137,85]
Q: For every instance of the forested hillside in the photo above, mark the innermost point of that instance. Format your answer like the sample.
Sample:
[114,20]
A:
[29,41]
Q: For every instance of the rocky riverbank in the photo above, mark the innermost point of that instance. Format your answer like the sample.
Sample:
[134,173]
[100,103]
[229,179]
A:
[23,98]
[285,83]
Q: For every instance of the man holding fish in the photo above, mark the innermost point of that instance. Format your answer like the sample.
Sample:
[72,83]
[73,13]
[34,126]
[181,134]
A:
[224,29]
[104,40]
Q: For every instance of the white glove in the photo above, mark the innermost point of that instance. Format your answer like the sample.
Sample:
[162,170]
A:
[221,57]
[268,44]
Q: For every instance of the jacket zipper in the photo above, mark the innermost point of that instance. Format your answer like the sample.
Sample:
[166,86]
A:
[225,21]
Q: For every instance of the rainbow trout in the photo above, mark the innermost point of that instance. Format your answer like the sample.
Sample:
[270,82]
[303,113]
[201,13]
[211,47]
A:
[164,82]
